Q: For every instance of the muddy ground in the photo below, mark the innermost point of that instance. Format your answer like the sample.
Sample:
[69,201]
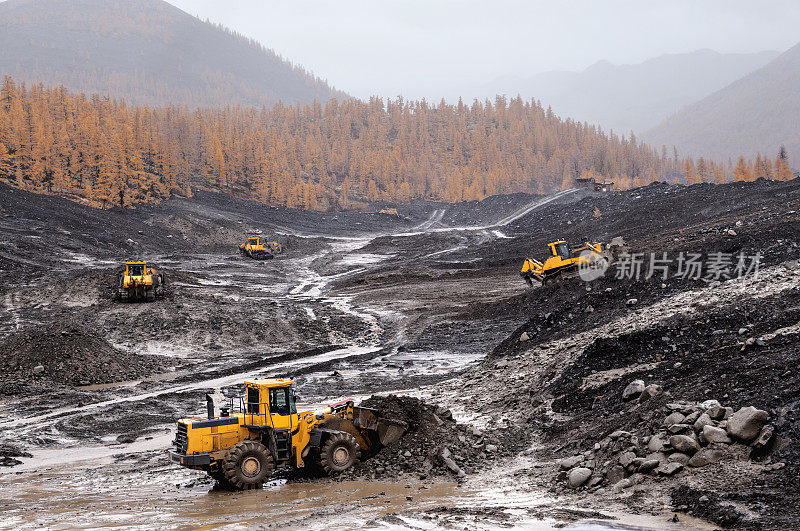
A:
[427,304]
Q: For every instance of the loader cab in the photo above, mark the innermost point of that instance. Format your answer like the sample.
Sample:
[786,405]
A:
[270,402]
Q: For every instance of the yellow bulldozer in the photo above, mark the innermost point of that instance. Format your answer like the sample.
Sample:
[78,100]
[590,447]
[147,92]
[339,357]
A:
[139,282]
[262,431]
[589,260]
[260,250]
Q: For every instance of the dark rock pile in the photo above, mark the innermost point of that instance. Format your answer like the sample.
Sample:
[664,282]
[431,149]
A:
[434,445]
[691,436]
[70,355]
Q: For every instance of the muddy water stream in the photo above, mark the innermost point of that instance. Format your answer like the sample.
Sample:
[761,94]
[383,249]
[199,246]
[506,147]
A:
[111,485]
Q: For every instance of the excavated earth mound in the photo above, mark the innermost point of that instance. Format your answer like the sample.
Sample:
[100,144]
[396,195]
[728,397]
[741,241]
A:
[434,445]
[70,355]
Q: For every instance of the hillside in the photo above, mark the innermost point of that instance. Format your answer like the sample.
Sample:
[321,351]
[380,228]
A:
[757,113]
[634,97]
[147,52]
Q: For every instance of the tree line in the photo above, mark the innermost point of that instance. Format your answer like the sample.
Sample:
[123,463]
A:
[319,156]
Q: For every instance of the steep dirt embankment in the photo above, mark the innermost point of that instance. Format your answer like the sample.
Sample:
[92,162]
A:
[731,341]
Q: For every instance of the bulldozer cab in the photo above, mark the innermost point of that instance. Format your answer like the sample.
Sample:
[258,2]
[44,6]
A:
[270,403]
[253,241]
[560,249]
[135,269]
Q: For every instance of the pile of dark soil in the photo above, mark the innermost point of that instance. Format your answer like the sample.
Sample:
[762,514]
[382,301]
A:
[70,355]
[434,445]
[8,452]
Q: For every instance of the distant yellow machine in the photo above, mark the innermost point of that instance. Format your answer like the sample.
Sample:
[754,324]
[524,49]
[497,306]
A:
[258,250]
[139,282]
[565,261]
[261,431]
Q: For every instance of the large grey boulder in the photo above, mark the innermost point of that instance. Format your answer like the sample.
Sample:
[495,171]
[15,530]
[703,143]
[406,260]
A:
[578,476]
[650,391]
[706,456]
[570,462]
[684,444]
[633,390]
[678,457]
[669,469]
[674,418]
[656,443]
[712,435]
[746,423]
[704,420]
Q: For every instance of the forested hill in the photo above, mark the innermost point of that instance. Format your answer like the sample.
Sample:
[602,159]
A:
[147,52]
[337,155]
[756,114]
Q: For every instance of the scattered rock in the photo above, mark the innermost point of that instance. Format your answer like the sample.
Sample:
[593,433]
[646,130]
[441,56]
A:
[746,423]
[712,435]
[626,458]
[632,302]
[684,444]
[650,391]
[704,420]
[615,474]
[674,418]
[678,457]
[633,390]
[669,469]
[570,462]
[706,456]
[524,337]
[649,464]
[39,369]
[578,476]
[764,437]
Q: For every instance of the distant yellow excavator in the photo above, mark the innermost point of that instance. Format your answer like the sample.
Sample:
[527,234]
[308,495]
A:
[590,257]
[258,250]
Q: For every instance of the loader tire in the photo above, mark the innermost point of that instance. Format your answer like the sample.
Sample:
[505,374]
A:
[247,465]
[339,452]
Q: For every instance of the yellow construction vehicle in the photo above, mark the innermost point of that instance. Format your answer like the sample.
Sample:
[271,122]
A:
[139,282]
[566,262]
[262,431]
[255,248]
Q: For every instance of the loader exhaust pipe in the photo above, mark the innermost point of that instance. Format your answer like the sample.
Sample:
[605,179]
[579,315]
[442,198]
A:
[210,406]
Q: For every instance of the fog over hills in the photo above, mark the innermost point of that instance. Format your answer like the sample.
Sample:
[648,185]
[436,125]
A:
[147,52]
[633,97]
[757,113]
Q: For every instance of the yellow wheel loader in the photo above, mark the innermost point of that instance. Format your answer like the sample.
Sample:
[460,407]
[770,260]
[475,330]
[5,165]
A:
[262,431]
[139,282]
[564,262]
[258,250]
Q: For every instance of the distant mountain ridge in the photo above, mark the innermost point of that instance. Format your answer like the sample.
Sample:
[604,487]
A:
[755,114]
[147,52]
[636,97]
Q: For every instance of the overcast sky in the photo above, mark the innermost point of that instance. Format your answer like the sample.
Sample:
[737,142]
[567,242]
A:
[430,48]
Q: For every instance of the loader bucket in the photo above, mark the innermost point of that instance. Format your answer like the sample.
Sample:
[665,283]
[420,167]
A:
[390,430]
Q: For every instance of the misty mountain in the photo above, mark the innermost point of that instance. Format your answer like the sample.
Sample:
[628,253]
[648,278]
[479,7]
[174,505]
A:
[633,97]
[754,114]
[147,52]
